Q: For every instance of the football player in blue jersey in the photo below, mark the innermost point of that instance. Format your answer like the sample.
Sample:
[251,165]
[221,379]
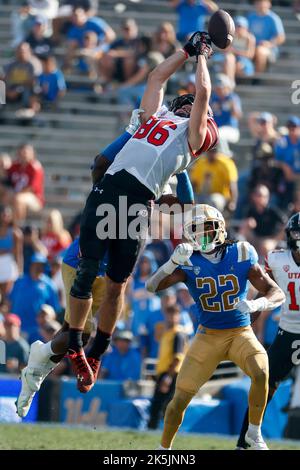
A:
[44,358]
[216,271]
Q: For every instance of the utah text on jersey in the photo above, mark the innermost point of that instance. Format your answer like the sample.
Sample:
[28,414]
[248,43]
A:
[286,274]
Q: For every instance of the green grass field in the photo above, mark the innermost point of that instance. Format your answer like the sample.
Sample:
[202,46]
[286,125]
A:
[42,437]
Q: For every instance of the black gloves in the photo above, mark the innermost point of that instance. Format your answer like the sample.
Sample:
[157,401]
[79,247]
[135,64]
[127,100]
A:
[199,44]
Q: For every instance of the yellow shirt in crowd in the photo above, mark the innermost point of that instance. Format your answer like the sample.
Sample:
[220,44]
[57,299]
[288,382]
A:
[214,176]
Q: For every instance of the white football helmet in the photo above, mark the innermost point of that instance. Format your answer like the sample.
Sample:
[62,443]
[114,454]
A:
[204,228]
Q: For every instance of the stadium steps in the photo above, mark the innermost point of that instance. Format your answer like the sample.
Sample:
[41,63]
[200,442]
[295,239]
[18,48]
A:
[83,122]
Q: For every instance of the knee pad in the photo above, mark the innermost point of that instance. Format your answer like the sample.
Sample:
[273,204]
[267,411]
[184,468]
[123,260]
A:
[86,274]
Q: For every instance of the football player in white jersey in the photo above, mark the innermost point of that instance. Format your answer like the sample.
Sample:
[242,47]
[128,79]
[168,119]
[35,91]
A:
[165,144]
[284,353]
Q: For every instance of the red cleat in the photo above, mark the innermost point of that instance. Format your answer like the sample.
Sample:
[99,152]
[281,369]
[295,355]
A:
[82,370]
[95,366]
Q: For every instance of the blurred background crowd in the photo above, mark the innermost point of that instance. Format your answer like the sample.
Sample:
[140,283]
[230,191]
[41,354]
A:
[70,63]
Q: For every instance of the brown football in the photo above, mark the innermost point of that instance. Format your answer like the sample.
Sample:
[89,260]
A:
[221,29]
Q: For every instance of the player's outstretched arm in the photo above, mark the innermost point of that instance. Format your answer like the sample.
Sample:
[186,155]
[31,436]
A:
[198,119]
[169,274]
[272,295]
[154,93]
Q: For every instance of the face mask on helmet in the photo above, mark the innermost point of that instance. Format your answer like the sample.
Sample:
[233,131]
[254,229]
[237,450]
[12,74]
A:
[180,101]
[205,233]
[293,232]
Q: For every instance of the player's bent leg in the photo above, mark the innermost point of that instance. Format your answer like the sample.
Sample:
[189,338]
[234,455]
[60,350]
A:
[174,416]
[247,352]
[33,375]
[203,356]
[80,305]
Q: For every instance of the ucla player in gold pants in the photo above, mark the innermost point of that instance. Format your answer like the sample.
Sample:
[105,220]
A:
[216,271]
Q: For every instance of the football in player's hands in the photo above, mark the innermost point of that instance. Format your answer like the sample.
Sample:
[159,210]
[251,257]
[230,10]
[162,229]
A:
[182,253]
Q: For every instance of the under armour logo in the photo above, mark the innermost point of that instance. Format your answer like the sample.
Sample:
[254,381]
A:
[98,190]
[280,332]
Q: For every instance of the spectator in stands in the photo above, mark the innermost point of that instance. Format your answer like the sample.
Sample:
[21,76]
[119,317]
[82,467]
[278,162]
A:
[40,44]
[81,24]
[262,128]
[54,236]
[46,8]
[186,302]
[20,78]
[171,353]
[162,250]
[49,330]
[45,315]
[30,292]
[31,245]
[89,55]
[143,302]
[17,348]
[165,39]
[5,164]
[52,82]
[269,33]
[11,251]
[123,362]
[21,23]
[56,276]
[216,173]
[267,171]
[131,91]
[191,16]
[287,151]
[2,328]
[152,330]
[264,224]
[243,47]
[226,106]
[26,176]
[120,62]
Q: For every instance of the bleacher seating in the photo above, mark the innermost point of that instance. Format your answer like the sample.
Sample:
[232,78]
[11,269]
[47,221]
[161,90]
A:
[68,138]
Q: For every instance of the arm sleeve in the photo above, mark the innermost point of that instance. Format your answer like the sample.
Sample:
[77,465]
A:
[114,148]
[185,191]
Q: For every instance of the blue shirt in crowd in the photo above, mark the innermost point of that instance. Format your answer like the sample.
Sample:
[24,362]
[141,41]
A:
[222,109]
[97,25]
[191,18]
[27,297]
[122,366]
[265,27]
[51,84]
[289,153]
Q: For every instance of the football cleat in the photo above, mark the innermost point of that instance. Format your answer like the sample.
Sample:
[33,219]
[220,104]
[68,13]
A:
[81,368]
[256,444]
[95,366]
[32,377]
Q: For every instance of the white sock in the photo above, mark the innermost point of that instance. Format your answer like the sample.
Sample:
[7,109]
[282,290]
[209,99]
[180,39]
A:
[254,430]
[160,447]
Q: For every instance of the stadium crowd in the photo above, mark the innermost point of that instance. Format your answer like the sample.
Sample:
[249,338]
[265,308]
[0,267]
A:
[53,39]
